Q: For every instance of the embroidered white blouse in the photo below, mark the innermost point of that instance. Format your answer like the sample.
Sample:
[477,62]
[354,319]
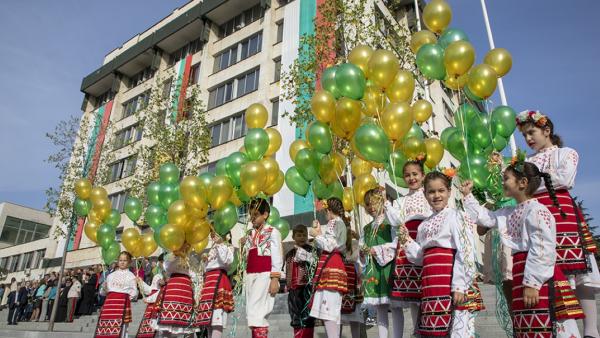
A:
[148,289]
[449,229]
[528,227]
[303,255]
[220,256]
[560,163]
[268,243]
[333,236]
[122,281]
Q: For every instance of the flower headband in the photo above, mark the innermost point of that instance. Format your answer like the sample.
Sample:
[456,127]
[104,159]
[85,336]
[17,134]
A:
[532,116]
[518,161]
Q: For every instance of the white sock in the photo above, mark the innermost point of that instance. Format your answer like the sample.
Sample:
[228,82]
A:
[414,314]
[215,331]
[382,320]
[398,322]
[586,297]
[332,328]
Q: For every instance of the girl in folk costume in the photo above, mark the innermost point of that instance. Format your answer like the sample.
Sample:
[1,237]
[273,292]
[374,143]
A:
[175,306]
[351,302]
[331,280]
[216,298]
[151,294]
[543,304]
[119,288]
[405,281]
[262,245]
[297,272]
[575,246]
[445,247]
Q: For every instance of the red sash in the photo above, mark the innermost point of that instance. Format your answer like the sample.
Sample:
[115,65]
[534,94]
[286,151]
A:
[406,277]
[115,312]
[216,294]
[177,302]
[354,296]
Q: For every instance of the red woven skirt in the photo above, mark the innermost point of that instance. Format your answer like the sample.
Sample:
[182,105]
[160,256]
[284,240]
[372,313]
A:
[354,296]
[145,329]
[216,294]
[406,277]
[115,312]
[331,273]
[557,302]
[177,302]
[570,253]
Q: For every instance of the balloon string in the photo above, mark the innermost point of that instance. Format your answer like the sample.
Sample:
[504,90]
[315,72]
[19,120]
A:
[465,134]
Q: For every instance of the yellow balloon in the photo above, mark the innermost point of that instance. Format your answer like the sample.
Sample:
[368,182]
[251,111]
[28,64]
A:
[235,199]
[458,58]
[197,231]
[196,212]
[193,192]
[177,213]
[83,188]
[374,100]
[402,87]
[360,56]
[90,229]
[414,148]
[253,177]
[435,152]
[219,191]
[131,241]
[362,184]
[256,116]
[421,38]
[360,167]
[93,216]
[456,83]
[383,67]
[422,110]
[347,117]
[296,146]
[274,141]
[339,162]
[499,59]
[171,237]
[323,106]
[276,186]
[396,120]
[272,169]
[348,199]
[482,80]
[101,208]
[437,15]
[200,246]
[97,194]
[148,244]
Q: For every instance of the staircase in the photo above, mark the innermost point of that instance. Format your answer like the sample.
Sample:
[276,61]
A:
[486,323]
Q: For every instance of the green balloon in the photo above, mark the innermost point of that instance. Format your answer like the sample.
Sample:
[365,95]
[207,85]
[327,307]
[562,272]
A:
[221,167]
[319,137]
[430,61]
[283,226]
[499,143]
[233,267]
[464,115]
[475,169]
[235,161]
[470,95]
[328,81]
[307,164]
[205,179]
[451,35]
[337,190]
[479,133]
[113,219]
[456,145]
[446,133]
[154,216]
[156,236]
[350,81]
[241,194]
[296,182]
[396,165]
[503,121]
[168,173]
[81,207]
[372,143]
[111,253]
[399,181]
[133,208]
[169,193]
[415,131]
[273,216]
[225,218]
[320,189]
[153,193]
[105,235]
[256,143]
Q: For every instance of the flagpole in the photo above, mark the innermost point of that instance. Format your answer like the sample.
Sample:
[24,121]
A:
[513,144]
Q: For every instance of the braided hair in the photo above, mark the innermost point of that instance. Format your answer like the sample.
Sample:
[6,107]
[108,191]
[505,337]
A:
[336,206]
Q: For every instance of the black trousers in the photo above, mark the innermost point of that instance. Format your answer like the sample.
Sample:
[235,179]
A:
[12,311]
[298,306]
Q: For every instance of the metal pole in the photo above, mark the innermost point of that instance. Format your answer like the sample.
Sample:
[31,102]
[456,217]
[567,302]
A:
[513,144]
[59,279]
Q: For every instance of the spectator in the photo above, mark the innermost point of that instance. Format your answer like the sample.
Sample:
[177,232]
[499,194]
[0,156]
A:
[147,271]
[22,298]
[50,296]
[12,302]
[63,302]
[4,302]
[88,294]
[38,299]
[73,297]
[53,276]
[29,307]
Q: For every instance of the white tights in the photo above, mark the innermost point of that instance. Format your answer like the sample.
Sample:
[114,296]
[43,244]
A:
[215,331]
[382,320]
[332,328]
[587,299]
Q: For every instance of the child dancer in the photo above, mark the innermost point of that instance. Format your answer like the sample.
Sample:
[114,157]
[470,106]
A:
[119,289]
[297,271]
[151,293]
[542,301]
[352,313]
[331,280]
[445,247]
[575,246]
[216,298]
[262,246]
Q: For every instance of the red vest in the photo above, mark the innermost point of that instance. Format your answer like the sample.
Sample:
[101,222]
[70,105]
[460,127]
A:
[256,263]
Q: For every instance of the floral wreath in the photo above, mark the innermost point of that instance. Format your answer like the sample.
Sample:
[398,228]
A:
[518,161]
[449,172]
[532,116]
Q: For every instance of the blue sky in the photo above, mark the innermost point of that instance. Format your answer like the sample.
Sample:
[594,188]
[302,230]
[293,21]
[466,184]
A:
[49,46]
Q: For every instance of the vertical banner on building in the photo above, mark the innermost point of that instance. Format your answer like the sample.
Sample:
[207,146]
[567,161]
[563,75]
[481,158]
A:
[182,68]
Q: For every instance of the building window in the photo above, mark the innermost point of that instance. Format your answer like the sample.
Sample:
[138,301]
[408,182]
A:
[26,261]
[275,111]
[247,47]
[228,129]
[209,168]
[194,74]
[18,231]
[104,98]
[122,168]
[240,86]
[39,258]
[141,77]
[136,104]
[247,83]
[128,135]
[242,20]
[166,89]
[277,70]
[14,263]
[118,200]
[191,48]
[279,32]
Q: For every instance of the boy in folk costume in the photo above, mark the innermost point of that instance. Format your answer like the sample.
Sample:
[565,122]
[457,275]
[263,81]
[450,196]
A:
[543,304]
[119,289]
[151,293]
[297,271]
[262,246]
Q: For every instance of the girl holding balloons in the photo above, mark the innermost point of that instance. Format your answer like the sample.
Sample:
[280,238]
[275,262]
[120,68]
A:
[575,246]
[151,293]
[119,288]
